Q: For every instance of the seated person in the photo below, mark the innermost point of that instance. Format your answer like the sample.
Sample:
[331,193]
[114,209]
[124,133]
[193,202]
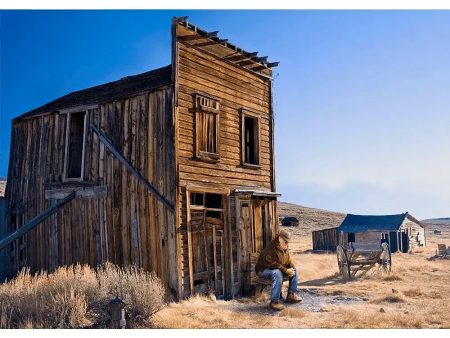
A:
[274,263]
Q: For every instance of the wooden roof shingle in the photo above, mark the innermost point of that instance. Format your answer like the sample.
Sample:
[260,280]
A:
[125,87]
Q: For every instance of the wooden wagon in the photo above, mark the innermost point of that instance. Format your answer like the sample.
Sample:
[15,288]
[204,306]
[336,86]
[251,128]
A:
[355,258]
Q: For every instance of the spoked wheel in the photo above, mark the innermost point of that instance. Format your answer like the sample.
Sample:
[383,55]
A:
[343,263]
[385,258]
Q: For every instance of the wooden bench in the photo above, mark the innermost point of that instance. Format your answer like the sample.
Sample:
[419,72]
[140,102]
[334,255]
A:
[258,282]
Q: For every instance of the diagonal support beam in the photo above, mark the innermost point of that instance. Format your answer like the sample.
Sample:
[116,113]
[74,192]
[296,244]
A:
[35,221]
[133,170]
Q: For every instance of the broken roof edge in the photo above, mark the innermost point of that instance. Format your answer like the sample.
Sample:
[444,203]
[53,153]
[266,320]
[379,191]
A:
[163,78]
[262,61]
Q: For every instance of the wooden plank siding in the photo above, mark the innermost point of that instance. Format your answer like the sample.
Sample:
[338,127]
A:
[203,70]
[127,226]
[325,240]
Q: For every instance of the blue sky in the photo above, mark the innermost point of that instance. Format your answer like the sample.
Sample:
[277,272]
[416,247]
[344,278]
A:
[362,98]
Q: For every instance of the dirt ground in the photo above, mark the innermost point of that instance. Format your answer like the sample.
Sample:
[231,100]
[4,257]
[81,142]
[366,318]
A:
[415,295]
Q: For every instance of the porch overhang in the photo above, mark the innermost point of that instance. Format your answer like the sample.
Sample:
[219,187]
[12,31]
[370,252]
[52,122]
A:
[256,192]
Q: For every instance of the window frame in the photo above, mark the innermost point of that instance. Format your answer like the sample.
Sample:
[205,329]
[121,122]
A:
[66,147]
[200,110]
[255,116]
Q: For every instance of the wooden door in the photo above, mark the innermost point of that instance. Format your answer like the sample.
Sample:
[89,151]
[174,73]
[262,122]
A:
[207,253]
[245,230]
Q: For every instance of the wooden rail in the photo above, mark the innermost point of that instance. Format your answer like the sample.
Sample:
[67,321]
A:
[35,221]
[136,173]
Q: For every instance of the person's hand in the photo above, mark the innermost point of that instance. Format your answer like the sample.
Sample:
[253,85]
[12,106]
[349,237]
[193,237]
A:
[290,272]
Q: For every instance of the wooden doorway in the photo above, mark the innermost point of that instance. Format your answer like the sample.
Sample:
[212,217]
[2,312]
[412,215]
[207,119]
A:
[256,228]
[206,225]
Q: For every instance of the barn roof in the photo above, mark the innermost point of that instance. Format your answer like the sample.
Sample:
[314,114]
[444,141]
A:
[125,87]
[363,223]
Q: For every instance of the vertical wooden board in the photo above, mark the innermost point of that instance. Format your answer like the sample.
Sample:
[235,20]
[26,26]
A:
[125,193]
[152,233]
[142,148]
[133,222]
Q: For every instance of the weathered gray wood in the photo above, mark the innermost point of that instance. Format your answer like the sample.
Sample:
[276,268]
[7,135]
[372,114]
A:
[80,192]
[35,221]
[136,173]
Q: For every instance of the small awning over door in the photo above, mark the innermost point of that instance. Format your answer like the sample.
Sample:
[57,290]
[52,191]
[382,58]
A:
[257,192]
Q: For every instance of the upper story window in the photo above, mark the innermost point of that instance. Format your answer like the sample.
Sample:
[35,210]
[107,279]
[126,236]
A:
[75,143]
[207,128]
[249,138]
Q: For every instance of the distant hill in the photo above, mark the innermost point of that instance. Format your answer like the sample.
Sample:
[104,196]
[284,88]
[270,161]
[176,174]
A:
[441,224]
[310,219]
[437,221]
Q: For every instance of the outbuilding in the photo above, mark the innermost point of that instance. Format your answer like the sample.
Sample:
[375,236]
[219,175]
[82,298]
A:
[402,231]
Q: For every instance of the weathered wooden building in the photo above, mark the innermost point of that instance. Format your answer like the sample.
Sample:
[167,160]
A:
[403,232]
[173,170]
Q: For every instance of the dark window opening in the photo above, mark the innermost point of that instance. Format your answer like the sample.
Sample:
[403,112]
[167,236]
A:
[250,140]
[351,237]
[213,201]
[75,145]
[214,214]
[197,198]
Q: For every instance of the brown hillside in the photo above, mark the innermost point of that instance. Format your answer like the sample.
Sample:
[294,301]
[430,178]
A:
[310,219]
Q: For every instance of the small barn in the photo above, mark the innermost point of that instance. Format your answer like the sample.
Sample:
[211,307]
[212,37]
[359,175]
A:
[402,231]
[289,221]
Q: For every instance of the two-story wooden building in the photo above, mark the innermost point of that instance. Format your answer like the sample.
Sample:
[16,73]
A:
[173,170]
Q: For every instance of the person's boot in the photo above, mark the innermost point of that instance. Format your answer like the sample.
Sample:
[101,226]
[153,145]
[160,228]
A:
[293,298]
[276,305]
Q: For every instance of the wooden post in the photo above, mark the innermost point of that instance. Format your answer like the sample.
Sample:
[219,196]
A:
[35,221]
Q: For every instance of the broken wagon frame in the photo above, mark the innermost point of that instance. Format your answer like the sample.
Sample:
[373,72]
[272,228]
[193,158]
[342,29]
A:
[355,258]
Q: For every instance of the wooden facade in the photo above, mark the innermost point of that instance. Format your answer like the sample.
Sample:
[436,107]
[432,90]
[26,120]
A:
[199,131]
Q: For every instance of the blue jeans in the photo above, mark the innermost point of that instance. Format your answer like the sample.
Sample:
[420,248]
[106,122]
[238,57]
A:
[277,281]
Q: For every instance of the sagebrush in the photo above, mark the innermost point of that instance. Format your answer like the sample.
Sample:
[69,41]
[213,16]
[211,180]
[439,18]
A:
[77,297]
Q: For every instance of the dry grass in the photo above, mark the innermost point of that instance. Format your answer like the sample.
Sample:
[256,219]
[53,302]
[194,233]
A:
[415,292]
[77,297]
[414,295]
[292,313]
[389,299]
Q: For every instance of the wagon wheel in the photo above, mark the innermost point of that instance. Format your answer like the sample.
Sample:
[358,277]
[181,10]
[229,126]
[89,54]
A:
[385,258]
[343,262]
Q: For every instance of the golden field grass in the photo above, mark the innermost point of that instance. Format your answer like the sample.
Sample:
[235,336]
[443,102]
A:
[78,296]
[415,295]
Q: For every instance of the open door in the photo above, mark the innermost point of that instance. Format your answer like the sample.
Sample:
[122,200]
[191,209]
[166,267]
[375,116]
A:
[256,217]
[206,244]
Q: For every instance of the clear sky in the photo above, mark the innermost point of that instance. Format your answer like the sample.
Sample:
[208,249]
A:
[362,98]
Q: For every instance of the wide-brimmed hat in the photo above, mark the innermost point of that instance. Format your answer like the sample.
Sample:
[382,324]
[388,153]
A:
[285,235]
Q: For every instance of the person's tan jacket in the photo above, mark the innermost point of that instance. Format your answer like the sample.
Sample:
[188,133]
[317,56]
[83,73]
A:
[274,257]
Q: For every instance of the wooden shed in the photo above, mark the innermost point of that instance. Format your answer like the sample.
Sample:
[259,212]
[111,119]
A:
[325,239]
[403,232]
[171,170]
